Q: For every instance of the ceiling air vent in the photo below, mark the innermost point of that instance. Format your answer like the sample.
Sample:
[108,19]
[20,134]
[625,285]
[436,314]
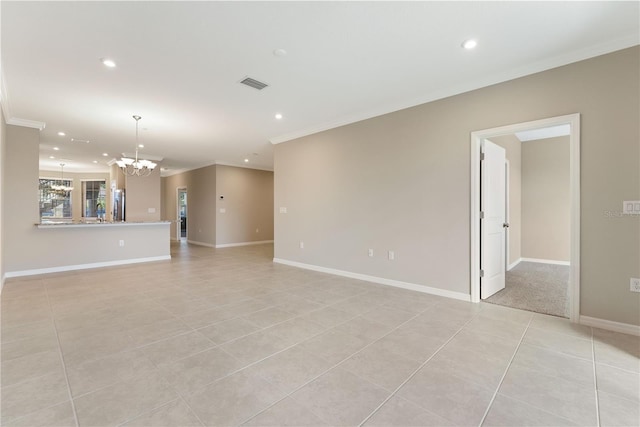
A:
[253,83]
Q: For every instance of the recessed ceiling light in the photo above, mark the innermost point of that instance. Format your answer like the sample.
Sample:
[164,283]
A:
[278,116]
[51,157]
[56,148]
[105,154]
[61,134]
[469,44]
[140,145]
[246,160]
[95,161]
[108,62]
[280,52]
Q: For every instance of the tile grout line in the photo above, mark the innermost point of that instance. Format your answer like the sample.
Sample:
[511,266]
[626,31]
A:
[504,374]
[282,351]
[330,368]
[179,398]
[214,346]
[148,412]
[64,367]
[413,374]
[595,379]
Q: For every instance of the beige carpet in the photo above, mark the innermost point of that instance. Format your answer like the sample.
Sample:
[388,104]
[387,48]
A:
[532,286]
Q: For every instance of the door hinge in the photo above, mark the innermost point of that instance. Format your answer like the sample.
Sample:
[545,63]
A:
[481,215]
[481,156]
[481,273]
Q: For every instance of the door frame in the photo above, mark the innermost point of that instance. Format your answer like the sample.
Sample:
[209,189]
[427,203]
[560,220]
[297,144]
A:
[178,222]
[507,213]
[573,120]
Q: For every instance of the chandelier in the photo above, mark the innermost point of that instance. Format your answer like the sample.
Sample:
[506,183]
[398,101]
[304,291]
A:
[61,189]
[136,167]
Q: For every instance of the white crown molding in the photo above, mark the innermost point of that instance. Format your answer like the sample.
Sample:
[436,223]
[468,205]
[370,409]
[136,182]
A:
[143,156]
[244,166]
[8,113]
[26,123]
[543,65]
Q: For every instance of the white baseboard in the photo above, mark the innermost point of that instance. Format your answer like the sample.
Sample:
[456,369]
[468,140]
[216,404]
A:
[193,242]
[85,266]
[380,280]
[514,264]
[545,261]
[231,245]
[610,325]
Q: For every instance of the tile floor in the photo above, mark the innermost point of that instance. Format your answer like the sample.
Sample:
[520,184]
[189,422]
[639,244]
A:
[225,337]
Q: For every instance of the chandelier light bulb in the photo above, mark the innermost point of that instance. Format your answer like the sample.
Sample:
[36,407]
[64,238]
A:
[136,166]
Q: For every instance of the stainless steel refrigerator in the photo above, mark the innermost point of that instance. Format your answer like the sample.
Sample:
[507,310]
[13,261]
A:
[118,205]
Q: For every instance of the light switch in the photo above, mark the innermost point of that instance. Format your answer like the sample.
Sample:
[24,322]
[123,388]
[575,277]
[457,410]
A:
[631,207]
[283,210]
[151,210]
[223,210]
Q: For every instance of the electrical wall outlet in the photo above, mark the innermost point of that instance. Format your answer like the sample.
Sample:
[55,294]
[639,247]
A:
[301,244]
[392,255]
[371,252]
[634,285]
[121,243]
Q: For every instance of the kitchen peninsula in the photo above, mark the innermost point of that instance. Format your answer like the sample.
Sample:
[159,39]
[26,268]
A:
[75,246]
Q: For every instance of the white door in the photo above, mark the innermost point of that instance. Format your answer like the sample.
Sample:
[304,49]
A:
[492,225]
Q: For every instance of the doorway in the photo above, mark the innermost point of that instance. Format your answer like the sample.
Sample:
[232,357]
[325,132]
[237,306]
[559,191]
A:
[181,229]
[490,214]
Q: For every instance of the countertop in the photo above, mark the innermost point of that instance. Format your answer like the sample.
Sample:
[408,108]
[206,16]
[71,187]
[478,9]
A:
[63,224]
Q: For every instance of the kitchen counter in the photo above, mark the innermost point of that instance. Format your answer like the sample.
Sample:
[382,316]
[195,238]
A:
[65,246]
[63,224]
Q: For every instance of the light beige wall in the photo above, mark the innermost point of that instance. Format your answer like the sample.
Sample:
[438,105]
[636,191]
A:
[546,199]
[512,146]
[201,206]
[66,247]
[76,194]
[248,205]
[27,247]
[142,194]
[21,168]
[201,203]
[401,182]
[3,138]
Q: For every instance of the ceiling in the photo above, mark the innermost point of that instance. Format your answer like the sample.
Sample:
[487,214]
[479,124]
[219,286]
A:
[179,65]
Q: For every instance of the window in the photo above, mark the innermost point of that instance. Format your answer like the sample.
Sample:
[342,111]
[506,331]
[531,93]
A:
[54,204]
[94,199]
